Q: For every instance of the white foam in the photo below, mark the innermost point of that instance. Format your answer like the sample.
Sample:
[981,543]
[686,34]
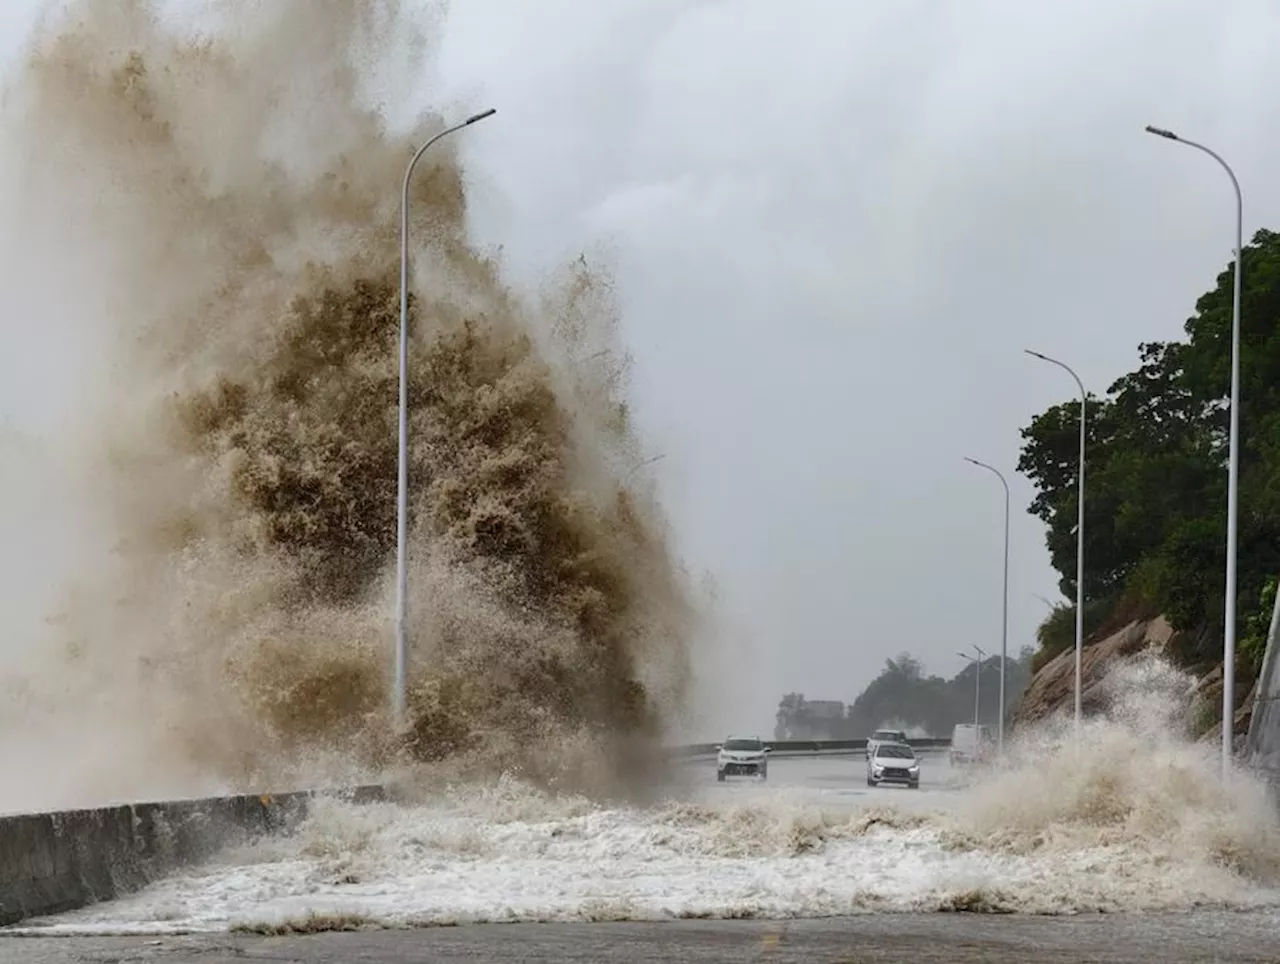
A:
[508,853]
[1134,818]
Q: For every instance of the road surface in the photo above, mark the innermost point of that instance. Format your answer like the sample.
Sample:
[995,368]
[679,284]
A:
[919,939]
[1198,936]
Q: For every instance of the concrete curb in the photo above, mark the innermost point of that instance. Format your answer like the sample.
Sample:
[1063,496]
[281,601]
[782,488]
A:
[55,862]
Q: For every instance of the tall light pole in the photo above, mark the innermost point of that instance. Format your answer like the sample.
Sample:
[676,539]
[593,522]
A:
[977,684]
[402,480]
[1004,626]
[1084,399]
[1233,466]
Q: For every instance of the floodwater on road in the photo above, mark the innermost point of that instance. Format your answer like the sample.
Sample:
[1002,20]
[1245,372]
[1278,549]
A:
[1198,937]
[1061,834]
[830,775]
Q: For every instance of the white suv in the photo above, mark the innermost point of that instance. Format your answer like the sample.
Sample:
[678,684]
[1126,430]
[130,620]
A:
[884,736]
[893,763]
[742,756]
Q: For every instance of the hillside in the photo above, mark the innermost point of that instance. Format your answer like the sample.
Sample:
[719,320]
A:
[1155,500]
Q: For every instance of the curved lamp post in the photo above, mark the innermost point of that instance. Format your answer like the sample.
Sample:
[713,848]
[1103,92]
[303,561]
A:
[1233,465]
[402,479]
[1084,398]
[1004,629]
[977,684]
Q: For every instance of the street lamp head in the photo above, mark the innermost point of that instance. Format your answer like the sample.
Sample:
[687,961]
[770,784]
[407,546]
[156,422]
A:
[1035,354]
[480,116]
[1161,132]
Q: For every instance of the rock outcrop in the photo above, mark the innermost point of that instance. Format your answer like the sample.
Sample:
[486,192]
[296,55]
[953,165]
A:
[1208,704]
[1053,688]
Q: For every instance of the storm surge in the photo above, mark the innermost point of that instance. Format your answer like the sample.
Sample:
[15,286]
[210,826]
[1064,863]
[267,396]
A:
[1134,818]
[218,201]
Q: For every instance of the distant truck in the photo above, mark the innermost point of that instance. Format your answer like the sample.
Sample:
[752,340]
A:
[970,744]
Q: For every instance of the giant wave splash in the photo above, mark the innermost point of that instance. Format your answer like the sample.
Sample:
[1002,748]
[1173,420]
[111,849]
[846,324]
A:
[208,210]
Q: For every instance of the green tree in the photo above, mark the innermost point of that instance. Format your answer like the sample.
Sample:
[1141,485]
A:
[1155,510]
[903,694]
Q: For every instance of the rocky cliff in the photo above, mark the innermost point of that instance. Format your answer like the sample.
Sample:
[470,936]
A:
[1053,688]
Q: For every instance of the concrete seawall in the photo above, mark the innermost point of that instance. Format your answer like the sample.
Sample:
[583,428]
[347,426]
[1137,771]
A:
[55,862]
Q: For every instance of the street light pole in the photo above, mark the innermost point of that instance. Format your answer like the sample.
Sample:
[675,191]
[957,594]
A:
[1233,466]
[977,692]
[402,478]
[977,683]
[1084,400]
[1004,626]
[977,687]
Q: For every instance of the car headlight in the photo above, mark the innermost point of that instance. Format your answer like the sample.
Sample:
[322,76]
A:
[914,768]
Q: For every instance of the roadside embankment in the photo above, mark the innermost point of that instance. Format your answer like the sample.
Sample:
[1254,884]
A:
[54,862]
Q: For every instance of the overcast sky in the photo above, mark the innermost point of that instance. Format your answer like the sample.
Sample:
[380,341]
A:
[835,227]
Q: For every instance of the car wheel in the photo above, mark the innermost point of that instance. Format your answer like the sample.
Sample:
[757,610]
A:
[915,786]
[720,775]
[870,782]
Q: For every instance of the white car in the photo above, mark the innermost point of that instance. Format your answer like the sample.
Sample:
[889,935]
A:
[742,756]
[894,763]
[884,736]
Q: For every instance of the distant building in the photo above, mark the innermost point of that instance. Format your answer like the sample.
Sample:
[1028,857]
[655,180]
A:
[801,719]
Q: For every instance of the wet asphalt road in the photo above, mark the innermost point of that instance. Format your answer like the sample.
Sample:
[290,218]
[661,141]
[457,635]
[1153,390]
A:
[1196,938]
[1193,938]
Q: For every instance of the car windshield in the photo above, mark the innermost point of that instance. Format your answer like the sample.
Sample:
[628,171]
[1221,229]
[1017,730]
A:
[896,752]
[742,745]
[886,735]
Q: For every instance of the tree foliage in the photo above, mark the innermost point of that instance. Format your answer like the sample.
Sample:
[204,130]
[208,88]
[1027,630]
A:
[1155,501]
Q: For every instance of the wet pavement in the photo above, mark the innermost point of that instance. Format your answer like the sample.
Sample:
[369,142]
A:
[1195,938]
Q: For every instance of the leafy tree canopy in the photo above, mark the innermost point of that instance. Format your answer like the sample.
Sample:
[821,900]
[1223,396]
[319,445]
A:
[1155,500]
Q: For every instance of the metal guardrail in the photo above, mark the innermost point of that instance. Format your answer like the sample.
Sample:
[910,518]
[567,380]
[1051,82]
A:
[809,746]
